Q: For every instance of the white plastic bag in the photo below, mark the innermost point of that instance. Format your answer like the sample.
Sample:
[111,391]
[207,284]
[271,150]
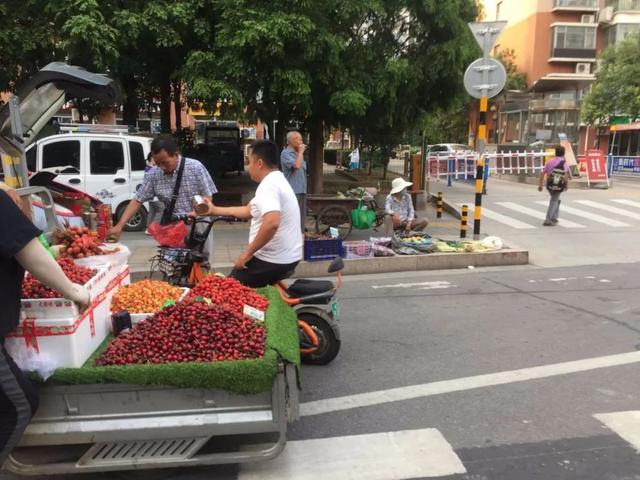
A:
[31,361]
[492,243]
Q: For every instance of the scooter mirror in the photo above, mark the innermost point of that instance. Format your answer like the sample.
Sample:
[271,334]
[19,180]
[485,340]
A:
[336,265]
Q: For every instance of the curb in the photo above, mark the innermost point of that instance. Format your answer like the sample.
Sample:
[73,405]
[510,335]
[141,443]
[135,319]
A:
[432,261]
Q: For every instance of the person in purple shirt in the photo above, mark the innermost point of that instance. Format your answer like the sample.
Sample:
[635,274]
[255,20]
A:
[556,174]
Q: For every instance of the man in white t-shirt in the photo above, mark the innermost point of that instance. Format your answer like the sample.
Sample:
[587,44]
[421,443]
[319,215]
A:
[275,241]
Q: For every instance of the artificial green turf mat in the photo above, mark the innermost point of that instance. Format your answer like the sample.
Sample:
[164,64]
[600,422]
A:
[239,376]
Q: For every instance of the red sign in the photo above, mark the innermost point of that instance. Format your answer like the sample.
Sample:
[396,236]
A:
[596,166]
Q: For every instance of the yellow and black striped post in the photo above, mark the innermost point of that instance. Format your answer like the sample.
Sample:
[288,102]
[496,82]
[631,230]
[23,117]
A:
[463,221]
[477,212]
[439,204]
[482,136]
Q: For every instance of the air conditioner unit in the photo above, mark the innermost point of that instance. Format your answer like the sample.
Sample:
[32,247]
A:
[605,15]
[588,19]
[583,68]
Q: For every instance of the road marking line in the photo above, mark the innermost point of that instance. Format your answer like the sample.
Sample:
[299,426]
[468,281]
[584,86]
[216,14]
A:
[590,216]
[424,285]
[410,392]
[380,456]
[609,208]
[623,201]
[498,217]
[537,214]
[625,424]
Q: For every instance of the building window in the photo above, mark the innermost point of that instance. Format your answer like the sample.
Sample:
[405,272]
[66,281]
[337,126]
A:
[624,5]
[576,4]
[571,37]
[619,32]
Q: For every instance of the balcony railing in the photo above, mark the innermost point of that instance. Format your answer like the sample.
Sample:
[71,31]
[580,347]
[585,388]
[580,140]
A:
[587,5]
[624,5]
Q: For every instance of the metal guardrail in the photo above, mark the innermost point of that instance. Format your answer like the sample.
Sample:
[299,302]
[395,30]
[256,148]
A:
[462,166]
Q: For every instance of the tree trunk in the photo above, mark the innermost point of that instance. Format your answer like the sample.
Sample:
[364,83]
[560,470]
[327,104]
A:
[130,105]
[177,103]
[316,155]
[165,105]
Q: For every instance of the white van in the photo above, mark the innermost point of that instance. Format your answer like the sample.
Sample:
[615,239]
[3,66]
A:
[109,166]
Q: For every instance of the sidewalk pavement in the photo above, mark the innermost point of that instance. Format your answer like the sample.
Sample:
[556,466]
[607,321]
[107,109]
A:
[230,240]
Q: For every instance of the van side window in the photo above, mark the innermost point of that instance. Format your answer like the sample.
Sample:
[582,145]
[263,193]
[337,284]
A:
[136,153]
[31,158]
[106,157]
[62,154]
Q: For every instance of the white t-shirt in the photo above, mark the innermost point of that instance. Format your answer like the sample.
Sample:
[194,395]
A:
[274,194]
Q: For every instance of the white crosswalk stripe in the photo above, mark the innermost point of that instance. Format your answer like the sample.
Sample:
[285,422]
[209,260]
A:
[609,208]
[590,216]
[625,424]
[498,217]
[623,201]
[538,214]
[380,456]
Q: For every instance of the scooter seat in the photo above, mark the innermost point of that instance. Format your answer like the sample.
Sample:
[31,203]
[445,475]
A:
[303,287]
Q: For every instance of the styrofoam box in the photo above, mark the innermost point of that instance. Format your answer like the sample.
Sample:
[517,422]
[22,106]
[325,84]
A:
[84,336]
[61,307]
[137,317]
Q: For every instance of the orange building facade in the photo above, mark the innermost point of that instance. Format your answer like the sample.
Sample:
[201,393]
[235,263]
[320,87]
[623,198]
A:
[556,44]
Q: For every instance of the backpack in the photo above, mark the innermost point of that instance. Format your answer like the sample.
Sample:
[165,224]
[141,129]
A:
[556,180]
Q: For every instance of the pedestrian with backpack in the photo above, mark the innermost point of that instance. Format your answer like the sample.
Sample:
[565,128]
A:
[556,173]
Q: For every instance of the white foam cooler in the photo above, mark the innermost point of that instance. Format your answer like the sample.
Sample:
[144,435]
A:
[67,341]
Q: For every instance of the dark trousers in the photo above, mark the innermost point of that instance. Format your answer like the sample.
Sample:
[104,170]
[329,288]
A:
[18,402]
[302,203]
[260,273]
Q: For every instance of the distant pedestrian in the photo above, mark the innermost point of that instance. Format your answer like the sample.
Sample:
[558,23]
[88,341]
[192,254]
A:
[556,174]
[294,168]
[399,207]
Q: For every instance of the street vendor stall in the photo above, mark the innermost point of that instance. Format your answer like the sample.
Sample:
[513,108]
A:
[219,360]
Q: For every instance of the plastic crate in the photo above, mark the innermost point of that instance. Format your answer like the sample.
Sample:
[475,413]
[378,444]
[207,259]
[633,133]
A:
[315,250]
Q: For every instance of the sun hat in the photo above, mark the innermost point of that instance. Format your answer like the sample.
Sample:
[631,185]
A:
[398,185]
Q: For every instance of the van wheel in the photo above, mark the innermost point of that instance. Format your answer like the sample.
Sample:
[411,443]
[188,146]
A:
[137,223]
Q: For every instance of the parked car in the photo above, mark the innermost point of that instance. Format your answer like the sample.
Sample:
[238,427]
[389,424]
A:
[109,166]
[221,150]
[442,148]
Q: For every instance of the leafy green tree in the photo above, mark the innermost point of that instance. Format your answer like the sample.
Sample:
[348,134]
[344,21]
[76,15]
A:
[616,91]
[144,43]
[369,65]
[28,41]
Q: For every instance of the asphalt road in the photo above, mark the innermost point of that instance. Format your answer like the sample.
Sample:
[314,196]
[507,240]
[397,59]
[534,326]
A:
[410,395]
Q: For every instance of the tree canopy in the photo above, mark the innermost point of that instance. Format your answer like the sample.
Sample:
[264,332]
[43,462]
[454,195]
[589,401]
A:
[372,66]
[616,90]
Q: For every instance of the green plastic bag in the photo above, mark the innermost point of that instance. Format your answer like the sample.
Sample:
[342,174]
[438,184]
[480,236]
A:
[362,218]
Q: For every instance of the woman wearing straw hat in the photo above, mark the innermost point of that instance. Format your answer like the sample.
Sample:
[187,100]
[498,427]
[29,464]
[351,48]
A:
[400,209]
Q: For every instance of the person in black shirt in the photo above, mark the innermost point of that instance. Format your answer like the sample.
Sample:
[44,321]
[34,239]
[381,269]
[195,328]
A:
[20,249]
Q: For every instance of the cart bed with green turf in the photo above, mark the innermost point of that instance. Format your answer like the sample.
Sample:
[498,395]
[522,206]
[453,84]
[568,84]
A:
[98,419]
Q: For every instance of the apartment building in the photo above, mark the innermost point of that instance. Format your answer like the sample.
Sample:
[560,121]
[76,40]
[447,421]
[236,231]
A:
[556,45]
